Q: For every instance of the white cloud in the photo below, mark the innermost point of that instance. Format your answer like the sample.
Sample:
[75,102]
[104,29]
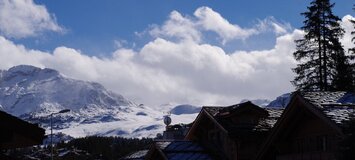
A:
[348,27]
[271,24]
[213,21]
[177,26]
[164,70]
[24,18]
[192,28]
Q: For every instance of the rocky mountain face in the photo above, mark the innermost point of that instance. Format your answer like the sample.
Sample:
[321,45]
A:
[281,101]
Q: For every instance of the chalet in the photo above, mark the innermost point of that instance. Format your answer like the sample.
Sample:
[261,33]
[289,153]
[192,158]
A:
[310,128]
[313,126]
[16,133]
[176,131]
[179,150]
[233,132]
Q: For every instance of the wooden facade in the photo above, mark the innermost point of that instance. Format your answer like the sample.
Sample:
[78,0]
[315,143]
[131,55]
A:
[233,132]
[310,128]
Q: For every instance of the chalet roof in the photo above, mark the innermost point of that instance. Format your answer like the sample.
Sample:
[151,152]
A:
[338,106]
[269,122]
[332,107]
[182,150]
[264,124]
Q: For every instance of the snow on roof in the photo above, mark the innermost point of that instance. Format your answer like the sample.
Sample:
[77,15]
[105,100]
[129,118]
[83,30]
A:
[264,124]
[139,155]
[338,106]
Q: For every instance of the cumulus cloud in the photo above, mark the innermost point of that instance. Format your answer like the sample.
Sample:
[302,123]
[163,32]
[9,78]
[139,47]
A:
[213,21]
[348,27]
[24,18]
[271,24]
[164,70]
[205,19]
[177,26]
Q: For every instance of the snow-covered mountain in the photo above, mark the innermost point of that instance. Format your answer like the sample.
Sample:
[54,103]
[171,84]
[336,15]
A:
[33,93]
[259,102]
[281,101]
[185,109]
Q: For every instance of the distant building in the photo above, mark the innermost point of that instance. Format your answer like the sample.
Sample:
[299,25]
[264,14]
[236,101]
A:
[176,132]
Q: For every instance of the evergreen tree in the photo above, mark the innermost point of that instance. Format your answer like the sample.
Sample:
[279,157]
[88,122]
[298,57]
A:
[323,63]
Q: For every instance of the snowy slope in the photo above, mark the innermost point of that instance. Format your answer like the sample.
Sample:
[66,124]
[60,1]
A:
[259,102]
[185,109]
[33,94]
[280,101]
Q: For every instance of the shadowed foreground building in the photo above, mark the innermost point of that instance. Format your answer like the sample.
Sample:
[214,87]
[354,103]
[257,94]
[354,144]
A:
[17,133]
[233,132]
[312,127]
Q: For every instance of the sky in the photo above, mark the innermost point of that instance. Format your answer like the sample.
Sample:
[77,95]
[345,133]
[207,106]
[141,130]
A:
[201,52]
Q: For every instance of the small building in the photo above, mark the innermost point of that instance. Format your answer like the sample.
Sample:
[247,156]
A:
[311,127]
[17,133]
[176,131]
[233,132]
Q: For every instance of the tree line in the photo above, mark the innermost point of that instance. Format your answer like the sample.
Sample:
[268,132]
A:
[323,63]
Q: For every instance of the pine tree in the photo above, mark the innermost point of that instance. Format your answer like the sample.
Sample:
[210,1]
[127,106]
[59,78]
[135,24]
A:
[323,64]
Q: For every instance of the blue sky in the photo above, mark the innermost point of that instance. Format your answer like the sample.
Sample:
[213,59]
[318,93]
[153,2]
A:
[92,26]
[164,51]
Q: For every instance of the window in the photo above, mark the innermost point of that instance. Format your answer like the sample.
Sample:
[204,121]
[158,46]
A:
[312,144]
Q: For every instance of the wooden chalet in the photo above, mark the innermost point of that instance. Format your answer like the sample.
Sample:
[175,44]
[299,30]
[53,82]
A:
[17,133]
[310,128]
[233,132]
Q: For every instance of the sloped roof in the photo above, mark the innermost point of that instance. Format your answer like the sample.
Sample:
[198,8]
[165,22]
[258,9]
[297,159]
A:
[182,150]
[337,106]
[264,124]
[332,107]
[139,155]
[269,122]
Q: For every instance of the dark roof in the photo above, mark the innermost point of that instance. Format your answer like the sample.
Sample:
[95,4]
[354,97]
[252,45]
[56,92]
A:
[264,124]
[139,155]
[269,122]
[338,106]
[19,133]
[213,111]
[182,150]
